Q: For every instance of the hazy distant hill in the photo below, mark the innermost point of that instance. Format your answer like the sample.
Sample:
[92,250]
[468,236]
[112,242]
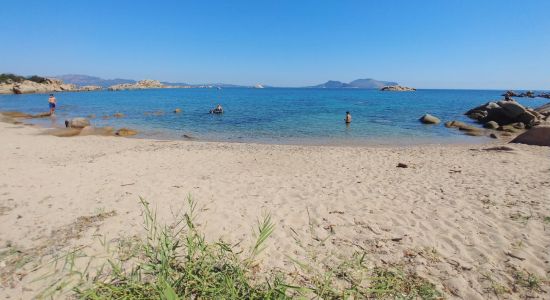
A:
[358,84]
[332,84]
[371,83]
[82,80]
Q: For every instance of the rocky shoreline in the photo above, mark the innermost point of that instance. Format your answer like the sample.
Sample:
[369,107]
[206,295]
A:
[46,85]
[42,85]
[527,94]
[505,119]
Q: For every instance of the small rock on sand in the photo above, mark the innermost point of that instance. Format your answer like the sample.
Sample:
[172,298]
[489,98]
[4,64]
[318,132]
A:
[126,132]
[402,165]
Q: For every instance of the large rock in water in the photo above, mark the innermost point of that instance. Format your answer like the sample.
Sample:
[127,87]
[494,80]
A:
[503,112]
[429,119]
[77,123]
[468,129]
[142,84]
[539,136]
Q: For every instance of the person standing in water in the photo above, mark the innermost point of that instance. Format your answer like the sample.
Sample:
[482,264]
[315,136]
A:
[348,117]
[52,102]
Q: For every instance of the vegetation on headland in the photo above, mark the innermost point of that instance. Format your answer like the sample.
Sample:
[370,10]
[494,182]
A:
[7,77]
[176,262]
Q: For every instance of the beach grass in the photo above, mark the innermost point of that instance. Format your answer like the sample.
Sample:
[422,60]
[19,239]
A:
[177,262]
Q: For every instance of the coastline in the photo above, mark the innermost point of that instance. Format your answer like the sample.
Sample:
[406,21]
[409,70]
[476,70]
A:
[451,216]
[166,135]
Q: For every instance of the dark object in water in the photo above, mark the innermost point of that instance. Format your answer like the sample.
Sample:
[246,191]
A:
[216,111]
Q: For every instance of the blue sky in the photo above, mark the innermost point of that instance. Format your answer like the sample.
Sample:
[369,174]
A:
[426,44]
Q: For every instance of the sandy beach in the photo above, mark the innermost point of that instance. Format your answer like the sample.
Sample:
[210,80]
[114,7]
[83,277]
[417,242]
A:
[466,218]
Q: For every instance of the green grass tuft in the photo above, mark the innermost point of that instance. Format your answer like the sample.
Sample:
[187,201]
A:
[176,262]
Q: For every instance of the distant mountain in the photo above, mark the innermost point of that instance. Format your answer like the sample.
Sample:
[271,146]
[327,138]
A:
[358,84]
[332,84]
[81,80]
[371,83]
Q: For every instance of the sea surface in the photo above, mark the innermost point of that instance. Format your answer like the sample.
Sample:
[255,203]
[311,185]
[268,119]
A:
[274,115]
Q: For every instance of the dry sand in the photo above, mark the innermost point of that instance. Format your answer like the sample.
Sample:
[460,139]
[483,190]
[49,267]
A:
[465,218]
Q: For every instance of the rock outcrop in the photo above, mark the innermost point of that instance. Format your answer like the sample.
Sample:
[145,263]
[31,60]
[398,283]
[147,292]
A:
[77,123]
[529,94]
[397,88]
[126,132]
[140,85]
[504,112]
[429,119]
[510,94]
[90,130]
[539,136]
[468,129]
[544,110]
[46,85]
[30,87]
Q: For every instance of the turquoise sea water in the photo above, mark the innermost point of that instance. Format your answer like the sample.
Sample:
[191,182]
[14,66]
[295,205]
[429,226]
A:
[285,115]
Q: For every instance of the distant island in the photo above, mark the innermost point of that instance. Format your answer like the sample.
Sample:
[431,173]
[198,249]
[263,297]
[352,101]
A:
[368,83]
[397,88]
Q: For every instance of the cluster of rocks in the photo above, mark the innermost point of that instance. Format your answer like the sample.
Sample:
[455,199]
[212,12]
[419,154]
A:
[505,118]
[506,112]
[140,85]
[82,126]
[397,88]
[527,94]
[49,85]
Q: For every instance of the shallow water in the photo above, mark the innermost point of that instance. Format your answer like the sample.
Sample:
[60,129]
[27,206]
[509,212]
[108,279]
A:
[285,115]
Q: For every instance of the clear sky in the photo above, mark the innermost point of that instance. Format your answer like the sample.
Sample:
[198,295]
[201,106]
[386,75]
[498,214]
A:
[497,44]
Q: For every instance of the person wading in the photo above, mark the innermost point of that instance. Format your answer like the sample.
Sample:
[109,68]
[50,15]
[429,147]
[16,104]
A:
[52,102]
[348,117]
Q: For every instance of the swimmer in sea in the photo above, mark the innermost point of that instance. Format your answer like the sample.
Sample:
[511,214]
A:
[348,117]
